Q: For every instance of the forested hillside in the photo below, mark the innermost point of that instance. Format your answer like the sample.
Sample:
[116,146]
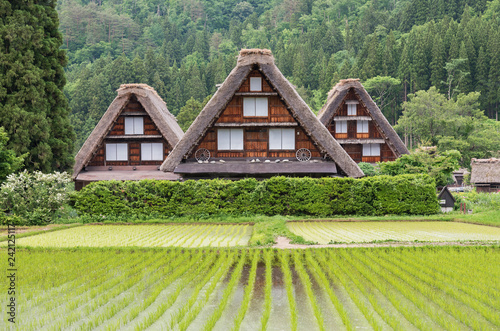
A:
[184,48]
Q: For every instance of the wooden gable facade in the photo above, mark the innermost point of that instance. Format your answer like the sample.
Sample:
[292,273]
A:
[131,141]
[352,117]
[139,149]
[257,131]
[257,125]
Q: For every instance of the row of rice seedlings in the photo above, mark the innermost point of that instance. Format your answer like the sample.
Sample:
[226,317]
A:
[408,309]
[209,262]
[244,231]
[99,296]
[216,234]
[207,233]
[185,235]
[417,298]
[268,257]
[111,308]
[287,275]
[229,236]
[159,238]
[48,303]
[446,298]
[228,292]
[248,294]
[451,274]
[197,231]
[176,271]
[337,273]
[36,272]
[483,280]
[321,279]
[306,282]
[198,303]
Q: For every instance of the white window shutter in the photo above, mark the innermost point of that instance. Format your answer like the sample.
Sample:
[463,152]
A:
[121,152]
[274,138]
[255,84]
[366,150]
[261,107]
[351,109]
[236,139]
[138,125]
[146,152]
[223,139]
[248,106]
[157,151]
[288,139]
[110,152]
[375,149]
[341,127]
[129,125]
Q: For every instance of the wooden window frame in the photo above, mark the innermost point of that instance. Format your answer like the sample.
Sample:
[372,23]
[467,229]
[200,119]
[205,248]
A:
[230,149]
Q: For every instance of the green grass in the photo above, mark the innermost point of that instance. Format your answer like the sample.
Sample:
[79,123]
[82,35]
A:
[136,288]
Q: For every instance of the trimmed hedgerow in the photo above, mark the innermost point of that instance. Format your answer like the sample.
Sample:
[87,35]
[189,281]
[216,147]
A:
[378,195]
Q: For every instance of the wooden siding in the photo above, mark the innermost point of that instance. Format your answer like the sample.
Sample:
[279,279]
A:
[256,144]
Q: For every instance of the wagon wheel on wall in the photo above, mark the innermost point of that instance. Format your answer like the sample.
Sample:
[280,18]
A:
[303,154]
[202,154]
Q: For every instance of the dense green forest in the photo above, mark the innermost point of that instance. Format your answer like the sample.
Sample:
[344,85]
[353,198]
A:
[184,48]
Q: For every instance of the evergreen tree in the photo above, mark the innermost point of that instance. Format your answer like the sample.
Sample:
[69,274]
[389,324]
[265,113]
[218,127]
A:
[33,108]
[438,73]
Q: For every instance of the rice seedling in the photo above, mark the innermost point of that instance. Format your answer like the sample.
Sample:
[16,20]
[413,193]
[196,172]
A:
[268,257]
[306,282]
[321,279]
[231,286]
[287,275]
[249,289]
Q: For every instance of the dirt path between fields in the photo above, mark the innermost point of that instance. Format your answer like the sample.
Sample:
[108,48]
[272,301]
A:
[284,243]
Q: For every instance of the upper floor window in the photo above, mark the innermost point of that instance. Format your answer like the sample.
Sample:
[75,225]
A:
[371,149]
[134,125]
[362,126]
[152,152]
[255,84]
[229,139]
[340,126]
[282,139]
[352,107]
[116,152]
[255,107]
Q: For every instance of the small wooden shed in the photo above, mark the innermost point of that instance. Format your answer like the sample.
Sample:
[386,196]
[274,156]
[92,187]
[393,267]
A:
[446,200]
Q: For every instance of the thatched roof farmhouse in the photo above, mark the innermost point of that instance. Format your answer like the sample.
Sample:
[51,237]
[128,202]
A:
[485,174]
[354,119]
[131,140]
[256,124]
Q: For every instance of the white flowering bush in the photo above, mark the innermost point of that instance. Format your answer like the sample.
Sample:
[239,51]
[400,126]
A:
[35,196]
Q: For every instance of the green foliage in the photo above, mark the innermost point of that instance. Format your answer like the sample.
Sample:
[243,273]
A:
[425,160]
[407,194]
[35,196]
[369,169]
[33,108]
[9,163]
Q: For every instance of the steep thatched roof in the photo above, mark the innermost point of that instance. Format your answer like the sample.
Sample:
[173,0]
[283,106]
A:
[484,171]
[264,61]
[336,97]
[154,106]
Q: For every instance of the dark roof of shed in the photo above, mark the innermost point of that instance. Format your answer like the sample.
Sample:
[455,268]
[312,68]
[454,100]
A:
[336,97]
[264,60]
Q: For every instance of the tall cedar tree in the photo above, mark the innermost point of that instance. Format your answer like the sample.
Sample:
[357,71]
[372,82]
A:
[33,108]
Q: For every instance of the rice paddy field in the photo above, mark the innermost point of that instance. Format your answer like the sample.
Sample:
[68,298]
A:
[195,235]
[359,232]
[404,288]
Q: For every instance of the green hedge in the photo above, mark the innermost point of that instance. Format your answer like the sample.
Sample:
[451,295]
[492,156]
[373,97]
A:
[379,195]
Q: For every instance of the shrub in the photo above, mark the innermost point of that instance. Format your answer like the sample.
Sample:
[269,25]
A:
[378,195]
[34,197]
